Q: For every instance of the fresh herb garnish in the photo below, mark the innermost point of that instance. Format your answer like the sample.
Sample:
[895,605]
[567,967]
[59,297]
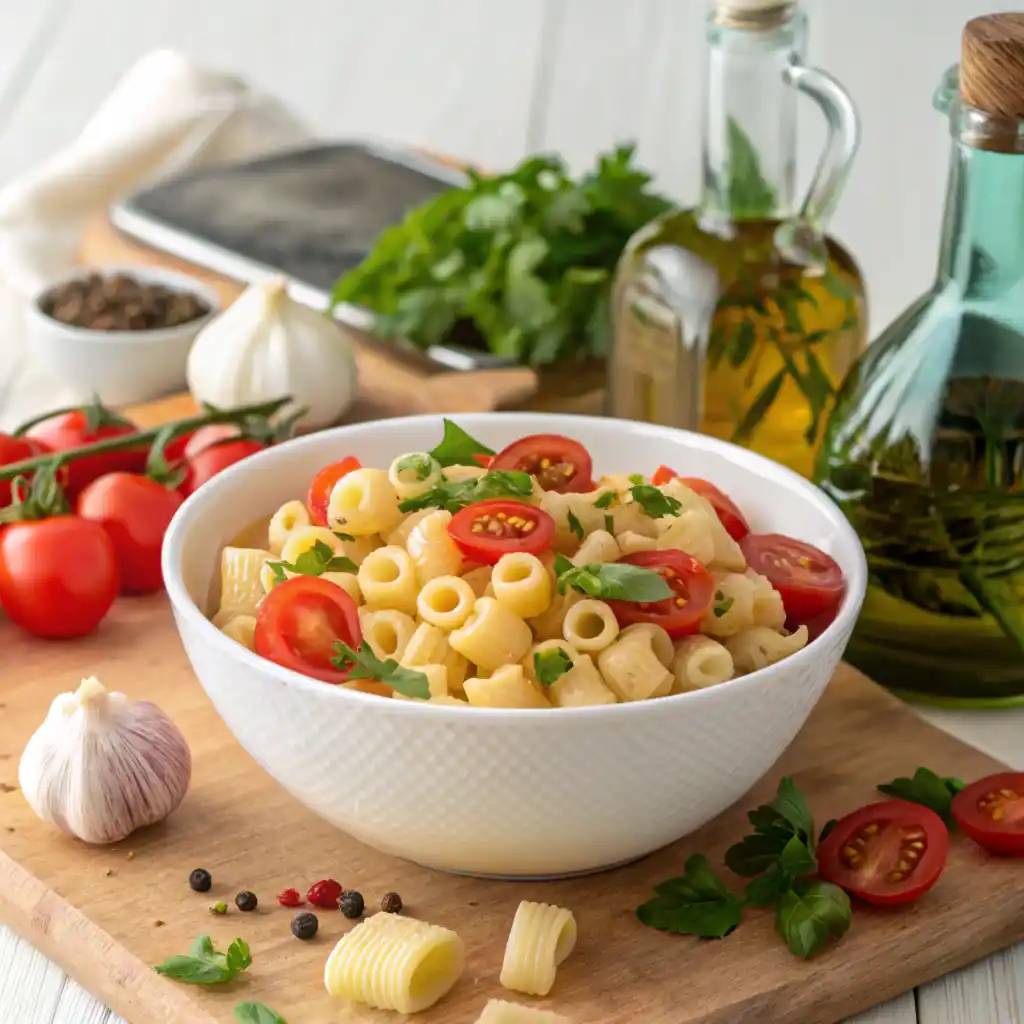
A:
[617,581]
[419,464]
[204,965]
[654,502]
[812,914]
[775,824]
[636,479]
[364,664]
[609,524]
[697,903]
[549,666]
[575,525]
[342,536]
[314,561]
[606,500]
[257,1013]
[457,494]
[722,604]
[457,448]
[926,788]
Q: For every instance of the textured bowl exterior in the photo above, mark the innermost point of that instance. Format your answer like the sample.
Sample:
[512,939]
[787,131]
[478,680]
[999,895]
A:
[501,792]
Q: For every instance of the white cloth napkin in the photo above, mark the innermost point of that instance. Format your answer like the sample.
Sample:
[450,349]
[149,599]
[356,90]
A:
[166,114]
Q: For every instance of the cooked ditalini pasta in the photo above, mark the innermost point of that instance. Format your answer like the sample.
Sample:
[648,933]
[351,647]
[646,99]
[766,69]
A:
[548,625]
[599,547]
[540,939]
[630,543]
[631,518]
[429,646]
[458,473]
[499,1011]
[414,474]
[446,602]
[633,671]
[661,642]
[505,687]
[492,636]
[241,629]
[387,631]
[388,580]
[582,506]
[728,555]
[760,647]
[768,607]
[363,502]
[395,963]
[529,668]
[590,625]
[437,680]
[620,483]
[690,532]
[348,582]
[400,534]
[700,661]
[479,579]
[291,516]
[582,686]
[732,609]
[458,702]
[521,584]
[432,551]
[300,540]
[241,588]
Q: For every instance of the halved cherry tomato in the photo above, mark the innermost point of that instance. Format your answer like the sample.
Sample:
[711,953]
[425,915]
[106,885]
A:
[483,460]
[300,620]
[16,449]
[559,463]
[662,475]
[885,853]
[991,812]
[810,582]
[214,459]
[692,584]
[319,496]
[486,530]
[729,514]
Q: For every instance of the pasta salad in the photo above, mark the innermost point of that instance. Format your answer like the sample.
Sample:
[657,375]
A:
[515,579]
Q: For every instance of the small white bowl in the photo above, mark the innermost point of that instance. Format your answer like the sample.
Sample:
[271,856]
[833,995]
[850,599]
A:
[121,367]
[502,792]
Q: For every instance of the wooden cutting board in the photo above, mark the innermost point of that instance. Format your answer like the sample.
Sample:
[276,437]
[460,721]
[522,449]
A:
[105,914]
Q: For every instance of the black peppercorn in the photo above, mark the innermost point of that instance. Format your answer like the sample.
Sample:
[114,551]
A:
[200,880]
[392,903]
[304,926]
[351,904]
[246,901]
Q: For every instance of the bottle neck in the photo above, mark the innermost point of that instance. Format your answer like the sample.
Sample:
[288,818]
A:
[750,115]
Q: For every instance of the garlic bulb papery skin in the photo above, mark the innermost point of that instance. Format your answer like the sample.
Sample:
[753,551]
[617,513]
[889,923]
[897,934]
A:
[266,345]
[102,765]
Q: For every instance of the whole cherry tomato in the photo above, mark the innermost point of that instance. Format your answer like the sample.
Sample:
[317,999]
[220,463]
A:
[187,446]
[16,449]
[215,458]
[58,576]
[135,511]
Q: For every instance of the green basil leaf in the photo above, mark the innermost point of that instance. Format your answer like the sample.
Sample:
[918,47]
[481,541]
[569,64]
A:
[194,970]
[257,1013]
[812,915]
[239,957]
[549,666]
[202,946]
[457,448]
[654,502]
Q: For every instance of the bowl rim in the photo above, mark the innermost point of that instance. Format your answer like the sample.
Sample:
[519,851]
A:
[176,280]
[188,513]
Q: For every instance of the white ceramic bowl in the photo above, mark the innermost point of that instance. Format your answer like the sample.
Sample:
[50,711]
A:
[512,793]
[121,367]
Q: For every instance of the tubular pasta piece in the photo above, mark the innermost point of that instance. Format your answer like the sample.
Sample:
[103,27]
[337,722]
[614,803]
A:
[363,502]
[423,475]
[582,686]
[492,636]
[700,662]
[759,647]
[431,549]
[395,963]
[479,579]
[446,601]
[631,518]
[437,680]
[630,543]
[521,584]
[241,629]
[590,626]
[548,625]
[689,532]
[529,669]
[599,547]
[457,474]
[429,646]
[241,588]
[387,631]
[542,936]
[633,671]
[291,516]
[505,687]
[768,607]
[661,642]
[400,534]
[499,1011]
[387,580]
[582,506]
[348,582]
[732,608]
[728,555]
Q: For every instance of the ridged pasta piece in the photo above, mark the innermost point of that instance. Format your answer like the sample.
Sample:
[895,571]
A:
[759,647]
[301,540]
[732,607]
[437,680]
[429,646]
[728,555]
[291,516]
[598,547]
[633,671]
[768,607]
[456,474]
[492,636]
[630,517]
[582,686]
[479,579]
[499,1011]
[700,662]
[590,626]
[582,506]
[241,629]
[396,963]
[446,601]
[387,631]
[690,532]
[241,588]
[661,642]
[548,625]
[387,579]
[348,582]
[630,543]
[400,534]
[414,474]
[505,687]
[363,502]
[521,584]
[432,550]
[541,938]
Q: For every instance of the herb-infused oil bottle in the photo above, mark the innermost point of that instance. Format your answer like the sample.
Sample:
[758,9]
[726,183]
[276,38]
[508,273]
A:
[739,317]
[925,449]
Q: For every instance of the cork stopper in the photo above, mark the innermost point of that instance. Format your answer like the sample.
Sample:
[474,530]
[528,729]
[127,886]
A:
[992,64]
[753,14]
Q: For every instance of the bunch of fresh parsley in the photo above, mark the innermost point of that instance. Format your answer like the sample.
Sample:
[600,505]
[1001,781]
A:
[520,264]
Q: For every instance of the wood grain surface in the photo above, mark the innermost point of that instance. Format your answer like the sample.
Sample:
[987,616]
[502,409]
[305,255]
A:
[105,914]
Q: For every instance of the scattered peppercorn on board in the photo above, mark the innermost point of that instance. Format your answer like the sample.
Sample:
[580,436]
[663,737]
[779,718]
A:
[107,914]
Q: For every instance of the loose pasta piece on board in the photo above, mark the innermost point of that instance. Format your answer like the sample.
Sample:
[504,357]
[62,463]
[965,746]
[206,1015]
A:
[241,629]
[241,588]
[291,516]
[395,963]
[542,936]
[499,1011]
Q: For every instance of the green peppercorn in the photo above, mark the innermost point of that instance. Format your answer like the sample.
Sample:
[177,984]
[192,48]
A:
[392,903]
[200,880]
[219,908]
[304,925]
[246,901]
[352,904]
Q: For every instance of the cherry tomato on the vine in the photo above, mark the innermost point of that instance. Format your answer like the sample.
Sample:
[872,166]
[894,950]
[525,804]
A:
[559,463]
[319,496]
[187,446]
[693,589]
[16,449]
[486,530]
[991,812]
[214,459]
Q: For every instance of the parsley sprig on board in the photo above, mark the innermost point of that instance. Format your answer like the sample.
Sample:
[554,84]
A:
[933,791]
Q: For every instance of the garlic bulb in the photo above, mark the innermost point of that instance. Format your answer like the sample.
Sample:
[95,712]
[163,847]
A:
[266,345]
[103,765]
